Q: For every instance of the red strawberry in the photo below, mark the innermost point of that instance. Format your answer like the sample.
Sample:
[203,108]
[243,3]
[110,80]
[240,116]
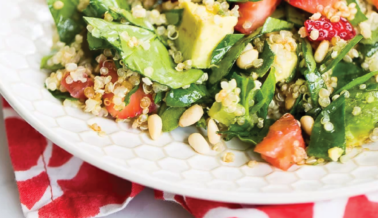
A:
[76,89]
[327,29]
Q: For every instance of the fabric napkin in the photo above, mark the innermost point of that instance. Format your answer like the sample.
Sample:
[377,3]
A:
[54,184]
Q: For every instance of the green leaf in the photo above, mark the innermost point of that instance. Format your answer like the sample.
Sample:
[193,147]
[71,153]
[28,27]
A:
[322,140]
[368,50]
[296,16]
[225,65]
[68,20]
[201,123]
[330,63]
[355,82]
[359,16]
[137,59]
[158,97]
[346,72]
[224,46]
[96,43]
[185,97]
[129,94]
[171,117]
[314,80]
[268,56]
[44,63]
[97,8]
[118,14]
[61,95]
[297,110]
[265,95]
[174,16]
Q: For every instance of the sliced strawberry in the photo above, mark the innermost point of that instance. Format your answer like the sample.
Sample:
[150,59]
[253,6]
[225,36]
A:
[254,14]
[310,5]
[76,89]
[133,109]
[327,29]
[284,144]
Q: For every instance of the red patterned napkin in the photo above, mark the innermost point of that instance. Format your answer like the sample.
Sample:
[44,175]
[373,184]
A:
[54,184]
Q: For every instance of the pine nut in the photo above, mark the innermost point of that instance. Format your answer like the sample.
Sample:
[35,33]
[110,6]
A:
[307,124]
[191,116]
[245,60]
[289,102]
[321,51]
[199,143]
[155,126]
[212,130]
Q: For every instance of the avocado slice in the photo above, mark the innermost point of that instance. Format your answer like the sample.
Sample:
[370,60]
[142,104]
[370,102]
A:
[359,127]
[285,63]
[218,112]
[199,34]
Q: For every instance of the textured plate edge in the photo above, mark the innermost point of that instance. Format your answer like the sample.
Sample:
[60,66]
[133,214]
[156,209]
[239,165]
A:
[257,198]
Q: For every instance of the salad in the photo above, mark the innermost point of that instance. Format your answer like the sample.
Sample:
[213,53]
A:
[297,79]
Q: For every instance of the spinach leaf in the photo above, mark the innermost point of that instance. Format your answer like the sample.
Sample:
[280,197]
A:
[297,110]
[268,56]
[356,82]
[158,97]
[295,16]
[225,65]
[174,16]
[129,94]
[223,47]
[44,63]
[68,20]
[185,97]
[171,117]
[162,108]
[61,95]
[97,8]
[322,140]
[156,59]
[368,50]
[118,14]
[346,72]
[314,80]
[359,16]
[96,43]
[265,95]
[330,63]
[201,123]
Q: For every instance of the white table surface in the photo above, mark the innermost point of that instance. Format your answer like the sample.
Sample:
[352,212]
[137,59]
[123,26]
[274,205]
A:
[144,205]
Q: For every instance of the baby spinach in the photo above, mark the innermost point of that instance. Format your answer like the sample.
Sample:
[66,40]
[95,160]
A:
[45,60]
[225,65]
[97,8]
[174,16]
[330,62]
[359,16]
[185,97]
[314,80]
[170,117]
[346,72]
[68,20]
[265,95]
[357,81]
[138,59]
[268,56]
[223,47]
[159,97]
[368,50]
[96,43]
[62,95]
[321,140]
[118,14]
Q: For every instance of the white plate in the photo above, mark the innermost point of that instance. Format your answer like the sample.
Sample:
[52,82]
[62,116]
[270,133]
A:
[168,164]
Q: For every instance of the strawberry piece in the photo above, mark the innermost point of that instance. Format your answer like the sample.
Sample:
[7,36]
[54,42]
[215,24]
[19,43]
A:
[255,13]
[133,109]
[328,30]
[76,89]
[284,144]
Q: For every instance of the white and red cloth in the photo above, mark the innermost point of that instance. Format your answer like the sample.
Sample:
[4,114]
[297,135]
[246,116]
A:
[54,184]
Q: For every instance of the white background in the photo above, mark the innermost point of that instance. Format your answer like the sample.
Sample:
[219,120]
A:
[144,205]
